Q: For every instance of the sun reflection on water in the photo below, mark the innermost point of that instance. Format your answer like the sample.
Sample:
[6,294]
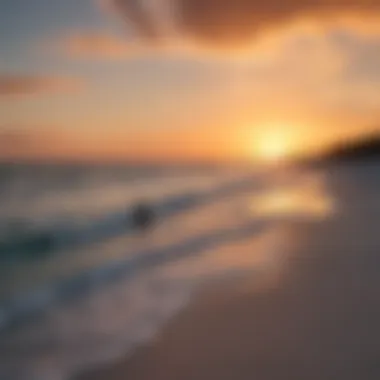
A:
[306,197]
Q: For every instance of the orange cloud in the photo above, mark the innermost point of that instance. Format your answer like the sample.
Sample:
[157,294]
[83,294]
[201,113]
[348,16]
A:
[17,141]
[15,85]
[368,26]
[44,142]
[237,22]
[220,28]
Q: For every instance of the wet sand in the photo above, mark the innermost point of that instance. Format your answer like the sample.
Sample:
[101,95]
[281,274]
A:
[319,320]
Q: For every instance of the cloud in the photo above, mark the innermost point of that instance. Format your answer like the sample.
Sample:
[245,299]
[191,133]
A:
[30,141]
[16,85]
[139,15]
[12,139]
[98,46]
[237,22]
[16,141]
[230,29]
[366,27]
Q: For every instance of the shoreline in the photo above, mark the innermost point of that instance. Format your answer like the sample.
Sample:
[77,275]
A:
[319,321]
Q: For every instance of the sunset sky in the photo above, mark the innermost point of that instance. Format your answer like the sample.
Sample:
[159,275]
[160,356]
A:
[186,79]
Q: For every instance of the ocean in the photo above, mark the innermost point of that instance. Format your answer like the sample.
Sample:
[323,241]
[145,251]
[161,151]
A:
[80,286]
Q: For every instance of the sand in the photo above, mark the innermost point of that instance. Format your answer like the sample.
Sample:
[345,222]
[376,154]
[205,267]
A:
[318,320]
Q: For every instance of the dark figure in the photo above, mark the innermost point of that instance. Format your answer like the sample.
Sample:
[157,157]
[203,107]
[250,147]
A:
[142,216]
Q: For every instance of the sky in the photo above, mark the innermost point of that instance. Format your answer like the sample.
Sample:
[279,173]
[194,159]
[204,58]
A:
[185,79]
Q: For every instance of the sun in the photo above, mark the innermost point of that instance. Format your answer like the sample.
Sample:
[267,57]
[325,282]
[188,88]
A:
[272,147]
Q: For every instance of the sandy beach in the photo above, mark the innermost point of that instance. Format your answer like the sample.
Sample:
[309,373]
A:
[319,318]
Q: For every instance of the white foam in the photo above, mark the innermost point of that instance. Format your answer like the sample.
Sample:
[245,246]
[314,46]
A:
[119,317]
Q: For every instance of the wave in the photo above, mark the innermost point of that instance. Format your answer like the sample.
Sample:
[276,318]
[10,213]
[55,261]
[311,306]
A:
[105,314]
[21,309]
[18,240]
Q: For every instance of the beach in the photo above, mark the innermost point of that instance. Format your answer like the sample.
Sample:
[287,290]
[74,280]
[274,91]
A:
[317,318]
[268,275]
